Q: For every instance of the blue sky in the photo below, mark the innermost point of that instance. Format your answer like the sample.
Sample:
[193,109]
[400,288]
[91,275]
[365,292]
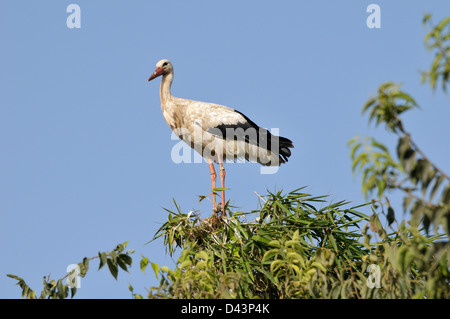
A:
[85,153]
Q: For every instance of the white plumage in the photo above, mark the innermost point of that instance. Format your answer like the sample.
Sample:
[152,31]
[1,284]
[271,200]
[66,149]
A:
[217,132]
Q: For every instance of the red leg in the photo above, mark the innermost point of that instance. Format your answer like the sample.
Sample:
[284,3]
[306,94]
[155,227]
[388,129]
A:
[222,183]
[213,182]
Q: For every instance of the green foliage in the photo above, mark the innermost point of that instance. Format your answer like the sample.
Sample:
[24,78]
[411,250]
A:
[411,265]
[60,289]
[388,105]
[293,249]
[412,173]
[372,159]
[437,40]
[297,246]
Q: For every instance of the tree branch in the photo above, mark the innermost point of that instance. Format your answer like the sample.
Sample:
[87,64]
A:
[418,150]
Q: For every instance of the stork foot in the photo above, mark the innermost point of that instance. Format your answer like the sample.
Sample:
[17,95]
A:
[218,210]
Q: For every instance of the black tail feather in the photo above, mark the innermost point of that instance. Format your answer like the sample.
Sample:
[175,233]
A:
[264,139]
[284,150]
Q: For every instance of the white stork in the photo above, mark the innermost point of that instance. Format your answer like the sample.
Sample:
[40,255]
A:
[218,132]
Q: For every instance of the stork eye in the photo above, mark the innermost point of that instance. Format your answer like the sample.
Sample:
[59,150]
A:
[165,63]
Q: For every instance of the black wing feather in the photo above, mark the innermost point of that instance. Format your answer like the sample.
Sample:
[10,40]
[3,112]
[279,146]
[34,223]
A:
[250,132]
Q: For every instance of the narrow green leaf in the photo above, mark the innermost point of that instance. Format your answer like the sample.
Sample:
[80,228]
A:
[219,189]
[60,288]
[267,275]
[390,215]
[446,195]
[143,265]
[103,258]
[185,264]
[112,268]
[73,291]
[437,182]
[260,239]
[333,242]
[127,259]
[121,262]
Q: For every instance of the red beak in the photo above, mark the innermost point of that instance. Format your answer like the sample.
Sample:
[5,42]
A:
[157,73]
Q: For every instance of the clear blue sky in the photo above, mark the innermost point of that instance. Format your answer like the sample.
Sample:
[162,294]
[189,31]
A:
[85,153]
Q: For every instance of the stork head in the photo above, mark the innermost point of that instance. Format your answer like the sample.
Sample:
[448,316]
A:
[162,67]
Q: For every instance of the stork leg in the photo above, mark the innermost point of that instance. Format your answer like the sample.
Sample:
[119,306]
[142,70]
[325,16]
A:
[222,184]
[213,182]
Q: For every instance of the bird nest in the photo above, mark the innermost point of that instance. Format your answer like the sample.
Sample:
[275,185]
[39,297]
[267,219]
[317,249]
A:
[205,227]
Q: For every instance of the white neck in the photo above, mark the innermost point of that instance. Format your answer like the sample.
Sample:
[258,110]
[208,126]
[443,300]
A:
[164,89]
